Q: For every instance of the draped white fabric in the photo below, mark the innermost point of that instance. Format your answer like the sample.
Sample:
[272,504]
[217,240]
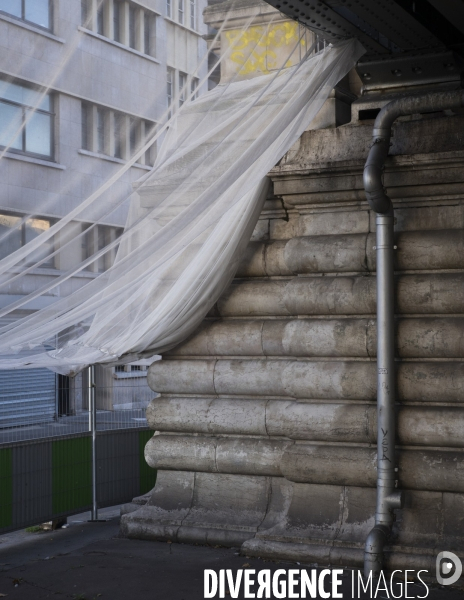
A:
[189,222]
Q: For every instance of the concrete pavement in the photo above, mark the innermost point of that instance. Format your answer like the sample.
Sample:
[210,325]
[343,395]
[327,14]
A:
[88,561]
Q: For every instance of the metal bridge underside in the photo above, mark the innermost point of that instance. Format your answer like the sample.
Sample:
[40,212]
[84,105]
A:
[408,42]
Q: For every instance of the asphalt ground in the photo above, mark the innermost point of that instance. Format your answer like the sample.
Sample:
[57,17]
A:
[89,561]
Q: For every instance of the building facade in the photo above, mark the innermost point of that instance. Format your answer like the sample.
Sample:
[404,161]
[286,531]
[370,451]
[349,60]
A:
[89,81]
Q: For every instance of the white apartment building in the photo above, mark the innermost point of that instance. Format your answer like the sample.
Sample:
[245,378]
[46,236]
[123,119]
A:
[103,74]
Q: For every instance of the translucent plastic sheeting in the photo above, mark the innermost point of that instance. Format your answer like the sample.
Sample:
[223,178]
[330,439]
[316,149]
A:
[189,222]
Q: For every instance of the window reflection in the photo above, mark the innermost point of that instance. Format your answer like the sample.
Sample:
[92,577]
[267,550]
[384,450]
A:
[11,118]
[10,234]
[26,120]
[15,232]
[38,139]
[32,229]
[37,11]
[33,11]
[12,7]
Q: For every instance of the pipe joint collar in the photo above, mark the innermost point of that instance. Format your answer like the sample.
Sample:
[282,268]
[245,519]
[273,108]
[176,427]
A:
[379,202]
[381,132]
[377,538]
[373,550]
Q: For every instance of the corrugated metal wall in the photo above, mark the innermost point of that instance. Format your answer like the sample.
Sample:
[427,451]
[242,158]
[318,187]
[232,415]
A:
[27,396]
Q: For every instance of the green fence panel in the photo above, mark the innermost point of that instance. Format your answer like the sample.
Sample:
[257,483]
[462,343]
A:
[6,487]
[71,474]
[147,478]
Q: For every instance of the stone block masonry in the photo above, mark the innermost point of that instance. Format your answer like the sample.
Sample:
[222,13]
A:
[265,430]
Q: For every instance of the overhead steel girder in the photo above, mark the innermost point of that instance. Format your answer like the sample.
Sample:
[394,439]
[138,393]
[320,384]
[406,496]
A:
[407,43]
[383,27]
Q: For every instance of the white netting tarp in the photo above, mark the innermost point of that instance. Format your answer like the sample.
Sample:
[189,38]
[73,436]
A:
[188,223]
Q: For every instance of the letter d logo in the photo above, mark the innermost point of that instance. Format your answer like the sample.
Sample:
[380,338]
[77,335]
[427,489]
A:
[445,563]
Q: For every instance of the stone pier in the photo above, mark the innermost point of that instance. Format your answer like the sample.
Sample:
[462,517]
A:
[266,425]
[265,430]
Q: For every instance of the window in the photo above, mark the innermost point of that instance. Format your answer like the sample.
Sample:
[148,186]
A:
[133,137]
[147,30]
[85,13]
[33,11]
[99,126]
[132,26]
[194,88]
[193,14]
[150,154]
[21,128]
[100,18]
[182,85]
[187,88]
[104,238]
[169,8]
[170,90]
[10,234]
[118,135]
[97,238]
[181,11]
[15,232]
[85,121]
[129,370]
[101,130]
[117,20]
[31,229]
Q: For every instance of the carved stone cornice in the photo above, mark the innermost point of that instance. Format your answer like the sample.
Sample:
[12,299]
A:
[325,167]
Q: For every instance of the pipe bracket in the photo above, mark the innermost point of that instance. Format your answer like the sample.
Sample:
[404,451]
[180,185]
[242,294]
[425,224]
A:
[395,499]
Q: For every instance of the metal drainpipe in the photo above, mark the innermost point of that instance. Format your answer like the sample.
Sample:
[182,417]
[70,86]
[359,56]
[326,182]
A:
[388,497]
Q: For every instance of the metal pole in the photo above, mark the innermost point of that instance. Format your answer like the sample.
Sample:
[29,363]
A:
[93,430]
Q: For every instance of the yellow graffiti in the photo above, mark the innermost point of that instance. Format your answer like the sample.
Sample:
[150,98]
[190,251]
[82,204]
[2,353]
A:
[255,49]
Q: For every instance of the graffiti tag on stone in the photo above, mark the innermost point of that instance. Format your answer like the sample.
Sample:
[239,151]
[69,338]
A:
[385,445]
